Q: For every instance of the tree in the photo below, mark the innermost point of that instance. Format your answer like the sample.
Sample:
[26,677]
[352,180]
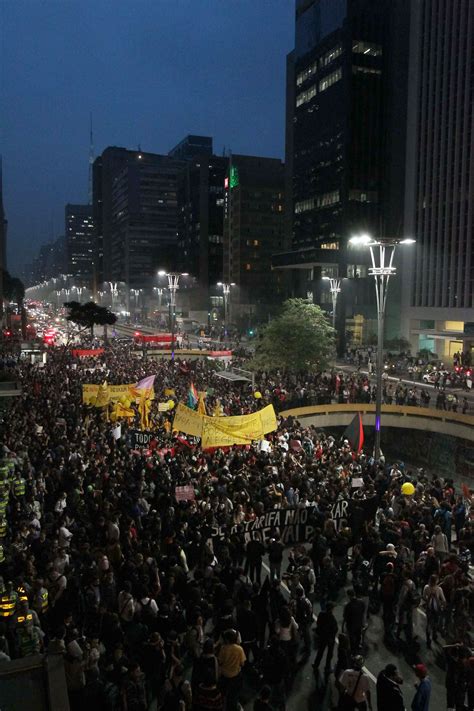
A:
[90,314]
[299,339]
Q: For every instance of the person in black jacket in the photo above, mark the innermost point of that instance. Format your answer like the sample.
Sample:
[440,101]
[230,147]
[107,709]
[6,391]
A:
[326,631]
[253,565]
[389,694]
[354,618]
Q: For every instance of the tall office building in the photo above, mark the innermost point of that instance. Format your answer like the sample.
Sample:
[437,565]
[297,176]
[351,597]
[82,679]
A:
[80,241]
[201,220]
[51,261]
[192,146]
[135,213]
[439,308]
[345,143]
[254,229]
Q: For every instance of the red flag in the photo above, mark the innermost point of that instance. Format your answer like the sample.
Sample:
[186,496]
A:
[354,432]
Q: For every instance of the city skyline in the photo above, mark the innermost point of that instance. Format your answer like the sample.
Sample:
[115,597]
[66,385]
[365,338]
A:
[149,93]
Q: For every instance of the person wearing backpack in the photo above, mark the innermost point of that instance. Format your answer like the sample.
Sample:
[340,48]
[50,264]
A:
[435,601]
[148,610]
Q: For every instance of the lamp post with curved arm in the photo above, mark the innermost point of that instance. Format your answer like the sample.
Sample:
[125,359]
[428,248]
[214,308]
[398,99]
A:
[335,289]
[173,286]
[382,253]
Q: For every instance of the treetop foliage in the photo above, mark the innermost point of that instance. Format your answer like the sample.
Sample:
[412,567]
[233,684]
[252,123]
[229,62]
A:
[299,339]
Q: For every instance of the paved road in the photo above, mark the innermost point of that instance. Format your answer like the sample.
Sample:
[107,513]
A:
[304,695]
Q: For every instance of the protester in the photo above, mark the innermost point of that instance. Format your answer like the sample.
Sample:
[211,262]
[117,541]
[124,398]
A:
[389,694]
[141,592]
[421,700]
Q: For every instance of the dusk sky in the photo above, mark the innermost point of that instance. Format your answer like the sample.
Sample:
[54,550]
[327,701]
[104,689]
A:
[151,71]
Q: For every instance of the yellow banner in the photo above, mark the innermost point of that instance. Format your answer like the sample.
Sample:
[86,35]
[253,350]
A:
[225,431]
[116,393]
[187,421]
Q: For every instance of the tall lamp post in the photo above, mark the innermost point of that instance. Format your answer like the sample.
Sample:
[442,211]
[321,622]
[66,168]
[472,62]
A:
[335,289]
[113,292]
[226,292]
[382,252]
[159,292]
[173,286]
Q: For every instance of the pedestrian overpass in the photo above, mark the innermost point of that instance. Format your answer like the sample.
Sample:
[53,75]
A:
[414,418]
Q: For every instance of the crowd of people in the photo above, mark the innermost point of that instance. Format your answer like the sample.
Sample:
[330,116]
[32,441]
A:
[159,603]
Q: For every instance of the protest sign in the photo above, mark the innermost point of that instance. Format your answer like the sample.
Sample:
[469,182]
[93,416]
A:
[139,439]
[297,525]
[184,493]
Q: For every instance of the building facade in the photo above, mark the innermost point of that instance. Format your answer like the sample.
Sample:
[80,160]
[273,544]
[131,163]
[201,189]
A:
[201,221]
[438,311]
[80,243]
[345,142]
[135,212]
[254,228]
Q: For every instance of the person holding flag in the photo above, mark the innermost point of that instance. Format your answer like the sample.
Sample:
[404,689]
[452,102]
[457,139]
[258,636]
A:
[193,397]
[145,392]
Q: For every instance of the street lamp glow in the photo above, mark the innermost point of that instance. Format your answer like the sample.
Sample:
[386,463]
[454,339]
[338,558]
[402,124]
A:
[361,240]
[162,273]
[408,240]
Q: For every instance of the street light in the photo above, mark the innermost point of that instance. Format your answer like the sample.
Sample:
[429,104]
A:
[159,291]
[335,289]
[226,292]
[382,269]
[173,286]
[113,291]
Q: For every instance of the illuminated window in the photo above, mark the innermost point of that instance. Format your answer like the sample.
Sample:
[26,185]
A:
[357,271]
[330,79]
[454,326]
[248,267]
[330,56]
[356,69]
[329,245]
[373,50]
[364,195]
[306,73]
[318,201]
[306,96]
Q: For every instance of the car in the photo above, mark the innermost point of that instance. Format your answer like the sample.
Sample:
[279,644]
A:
[431,376]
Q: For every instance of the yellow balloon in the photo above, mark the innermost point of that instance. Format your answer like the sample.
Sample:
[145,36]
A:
[257,395]
[170,404]
[408,489]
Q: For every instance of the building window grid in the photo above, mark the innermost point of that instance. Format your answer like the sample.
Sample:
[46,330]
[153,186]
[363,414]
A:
[330,79]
